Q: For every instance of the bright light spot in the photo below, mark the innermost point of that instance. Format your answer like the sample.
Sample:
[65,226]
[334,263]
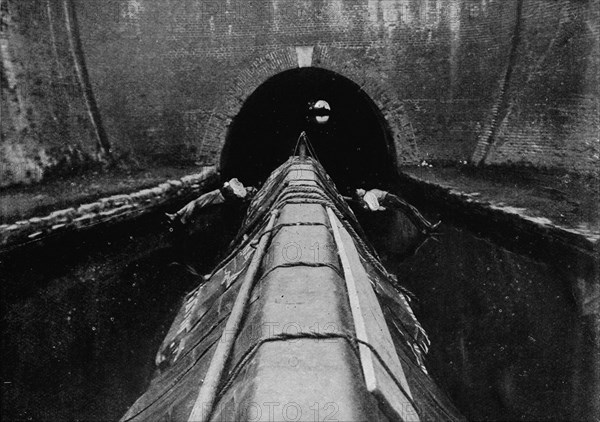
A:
[321,109]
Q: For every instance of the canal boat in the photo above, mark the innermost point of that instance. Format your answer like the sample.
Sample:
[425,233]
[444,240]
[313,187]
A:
[299,322]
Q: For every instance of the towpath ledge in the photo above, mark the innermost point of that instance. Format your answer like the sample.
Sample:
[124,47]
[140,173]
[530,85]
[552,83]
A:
[585,241]
[542,238]
[104,212]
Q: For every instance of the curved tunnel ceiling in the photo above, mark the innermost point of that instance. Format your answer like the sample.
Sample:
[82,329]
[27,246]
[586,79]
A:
[354,146]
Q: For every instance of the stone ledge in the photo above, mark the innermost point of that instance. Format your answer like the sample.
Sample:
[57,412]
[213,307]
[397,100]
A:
[568,245]
[583,240]
[105,211]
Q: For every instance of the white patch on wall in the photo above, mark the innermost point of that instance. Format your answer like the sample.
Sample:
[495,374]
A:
[373,9]
[336,12]
[19,165]
[130,14]
[389,12]
[304,55]
[276,16]
[9,71]
[131,10]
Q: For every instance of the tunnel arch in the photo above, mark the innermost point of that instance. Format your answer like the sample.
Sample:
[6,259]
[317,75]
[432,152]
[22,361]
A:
[345,62]
[355,146]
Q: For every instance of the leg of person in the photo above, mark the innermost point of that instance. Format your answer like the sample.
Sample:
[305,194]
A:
[188,212]
[411,212]
[181,216]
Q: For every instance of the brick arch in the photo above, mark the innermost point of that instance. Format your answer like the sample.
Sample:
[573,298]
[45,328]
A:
[339,60]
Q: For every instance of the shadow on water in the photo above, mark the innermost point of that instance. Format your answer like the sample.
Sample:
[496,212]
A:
[81,329]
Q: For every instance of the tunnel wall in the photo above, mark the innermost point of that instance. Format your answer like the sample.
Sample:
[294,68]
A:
[546,112]
[46,125]
[492,82]
[339,60]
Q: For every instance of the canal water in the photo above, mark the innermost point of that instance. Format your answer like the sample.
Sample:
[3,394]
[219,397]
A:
[81,328]
[508,340]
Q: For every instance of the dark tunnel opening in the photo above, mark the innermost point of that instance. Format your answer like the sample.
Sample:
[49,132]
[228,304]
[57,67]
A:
[355,146]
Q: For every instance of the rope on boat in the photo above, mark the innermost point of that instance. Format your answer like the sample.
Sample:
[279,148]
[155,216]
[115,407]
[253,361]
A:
[302,264]
[284,194]
[371,259]
[311,194]
[278,228]
[251,226]
[336,202]
[333,200]
[314,194]
[168,389]
[349,337]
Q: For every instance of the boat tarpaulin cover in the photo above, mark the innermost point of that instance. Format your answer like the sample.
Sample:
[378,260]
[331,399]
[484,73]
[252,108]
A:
[300,321]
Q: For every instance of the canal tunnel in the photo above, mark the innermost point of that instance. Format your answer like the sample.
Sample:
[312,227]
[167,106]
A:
[490,93]
[355,144]
[500,321]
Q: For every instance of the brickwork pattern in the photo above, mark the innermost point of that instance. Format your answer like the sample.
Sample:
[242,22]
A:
[170,75]
[342,60]
[552,116]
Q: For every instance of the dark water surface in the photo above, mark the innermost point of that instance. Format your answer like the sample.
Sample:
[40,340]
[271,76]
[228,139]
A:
[80,331]
[81,325]
[509,340]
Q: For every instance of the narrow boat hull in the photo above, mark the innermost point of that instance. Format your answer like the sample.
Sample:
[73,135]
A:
[300,321]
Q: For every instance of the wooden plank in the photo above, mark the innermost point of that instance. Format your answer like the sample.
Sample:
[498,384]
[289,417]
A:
[208,390]
[372,329]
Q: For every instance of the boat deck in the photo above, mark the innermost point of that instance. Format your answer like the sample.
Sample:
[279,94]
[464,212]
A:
[299,322]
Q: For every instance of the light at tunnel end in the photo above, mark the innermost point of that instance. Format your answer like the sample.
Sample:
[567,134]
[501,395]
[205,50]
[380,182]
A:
[320,111]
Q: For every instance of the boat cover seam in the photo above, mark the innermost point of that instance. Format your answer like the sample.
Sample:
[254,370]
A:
[352,339]
[302,264]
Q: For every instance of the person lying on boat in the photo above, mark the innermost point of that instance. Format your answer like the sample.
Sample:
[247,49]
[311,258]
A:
[380,200]
[232,190]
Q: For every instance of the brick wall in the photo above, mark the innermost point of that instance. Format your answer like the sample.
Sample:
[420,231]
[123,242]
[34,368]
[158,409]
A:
[551,116]
[45,124]
[452,77]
